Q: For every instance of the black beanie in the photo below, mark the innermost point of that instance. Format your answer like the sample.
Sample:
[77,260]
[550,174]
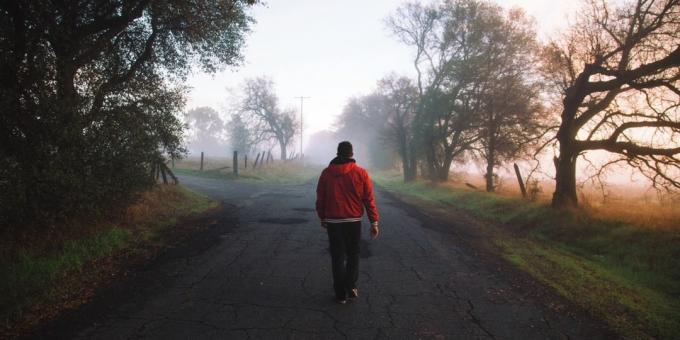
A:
[345,149]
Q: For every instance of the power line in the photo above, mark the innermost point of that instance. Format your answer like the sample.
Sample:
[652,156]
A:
[302,99]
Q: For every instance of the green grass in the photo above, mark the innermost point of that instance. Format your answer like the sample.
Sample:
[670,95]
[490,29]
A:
[624,273]
[31,277]
[42,272]
[196,203]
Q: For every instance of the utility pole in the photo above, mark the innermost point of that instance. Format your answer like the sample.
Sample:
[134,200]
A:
[302,99]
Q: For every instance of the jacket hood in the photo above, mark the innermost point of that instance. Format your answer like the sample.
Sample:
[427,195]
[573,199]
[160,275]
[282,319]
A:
[341,166]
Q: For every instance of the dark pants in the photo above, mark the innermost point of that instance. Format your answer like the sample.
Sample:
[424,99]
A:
[344,242]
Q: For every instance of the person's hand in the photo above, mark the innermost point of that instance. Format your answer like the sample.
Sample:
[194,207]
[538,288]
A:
[374,231]
[324,225]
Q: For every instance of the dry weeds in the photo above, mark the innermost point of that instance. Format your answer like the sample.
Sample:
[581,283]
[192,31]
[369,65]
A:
[640,206]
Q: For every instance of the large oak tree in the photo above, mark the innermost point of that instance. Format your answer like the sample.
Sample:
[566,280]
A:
[618,70]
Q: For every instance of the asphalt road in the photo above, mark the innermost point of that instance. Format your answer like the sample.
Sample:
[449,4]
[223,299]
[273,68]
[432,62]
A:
[262,271]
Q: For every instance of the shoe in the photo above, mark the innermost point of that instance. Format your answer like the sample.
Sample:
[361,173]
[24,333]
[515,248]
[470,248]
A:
[341,301]
[353,293]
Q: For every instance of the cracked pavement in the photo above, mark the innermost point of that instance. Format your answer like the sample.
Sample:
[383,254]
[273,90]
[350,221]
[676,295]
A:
[263,271]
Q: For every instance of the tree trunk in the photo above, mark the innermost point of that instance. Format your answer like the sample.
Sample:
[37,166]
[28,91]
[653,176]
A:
[407,158]
[283,151]
[405,166]
[442,174]
[411,166]
[442,171]
[565,177]
[490,163]
[490,150]
[422,165]
[489,175]
[565,165]
[430,161]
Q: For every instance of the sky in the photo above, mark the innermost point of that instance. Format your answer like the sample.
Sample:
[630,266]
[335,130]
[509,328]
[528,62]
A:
[331,50]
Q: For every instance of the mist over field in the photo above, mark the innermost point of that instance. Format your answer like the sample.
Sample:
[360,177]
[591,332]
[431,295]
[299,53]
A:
[336,78]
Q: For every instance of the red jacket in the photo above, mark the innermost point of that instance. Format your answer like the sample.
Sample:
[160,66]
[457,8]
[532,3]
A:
[342,193]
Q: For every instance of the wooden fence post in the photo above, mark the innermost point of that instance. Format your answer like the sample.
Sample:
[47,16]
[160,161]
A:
[201,160]
[169,172]
[257,159]
[521,182]
[162,170]
[235,163]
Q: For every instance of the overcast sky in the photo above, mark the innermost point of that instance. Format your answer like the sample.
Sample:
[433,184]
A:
[332,50]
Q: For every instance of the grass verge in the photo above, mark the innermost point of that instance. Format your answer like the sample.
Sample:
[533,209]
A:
[51,270]
[624,273]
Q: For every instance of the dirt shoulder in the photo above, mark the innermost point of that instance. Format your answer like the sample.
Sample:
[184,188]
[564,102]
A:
[127,278]
[49,282]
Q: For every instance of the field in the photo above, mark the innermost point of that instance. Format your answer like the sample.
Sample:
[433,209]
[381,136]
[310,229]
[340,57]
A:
[635,203]
[616,260]
[275,172]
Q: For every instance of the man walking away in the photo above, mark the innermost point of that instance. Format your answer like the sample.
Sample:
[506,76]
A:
[344,189]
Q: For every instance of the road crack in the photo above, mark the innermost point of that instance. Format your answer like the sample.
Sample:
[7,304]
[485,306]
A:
[477,321]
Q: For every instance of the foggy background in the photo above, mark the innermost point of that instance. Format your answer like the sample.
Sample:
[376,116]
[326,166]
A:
[310,48]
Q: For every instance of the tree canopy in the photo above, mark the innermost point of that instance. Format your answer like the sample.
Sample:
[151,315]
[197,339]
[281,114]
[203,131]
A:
[267,120]
[91,94]
[475,84]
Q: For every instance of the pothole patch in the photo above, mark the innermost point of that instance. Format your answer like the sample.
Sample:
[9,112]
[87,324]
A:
[289,220]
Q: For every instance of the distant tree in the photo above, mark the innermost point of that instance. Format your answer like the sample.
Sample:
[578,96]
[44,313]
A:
[450,40]
[510,125]
[363,122]
[241,138]
[447,127]
[418,26]
[511,112]
[206,129]
[87,99]
[321,147]
[400,100]
[269,121]
[617,69]
[476,81]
